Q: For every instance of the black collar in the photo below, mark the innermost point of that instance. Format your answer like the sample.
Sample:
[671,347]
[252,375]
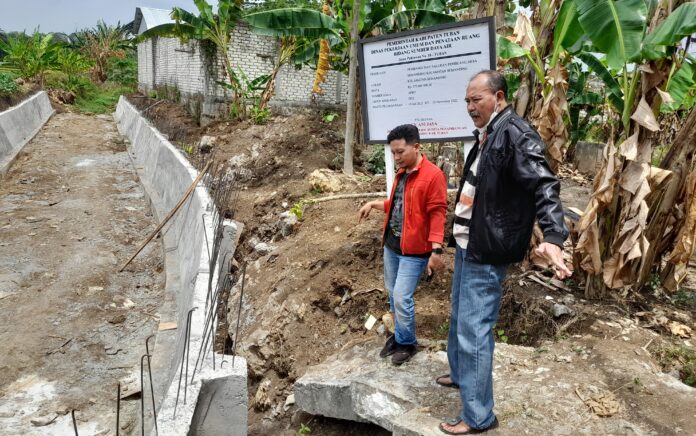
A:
[505,114]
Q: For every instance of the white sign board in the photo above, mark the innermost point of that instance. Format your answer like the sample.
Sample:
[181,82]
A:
[691,48]
[420,77]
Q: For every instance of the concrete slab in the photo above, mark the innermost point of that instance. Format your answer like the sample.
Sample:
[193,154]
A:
[166,174]
[535,393]
[19,124]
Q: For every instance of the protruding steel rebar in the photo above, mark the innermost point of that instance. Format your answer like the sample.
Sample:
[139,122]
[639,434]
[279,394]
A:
[142,394]
[184,356]
[152,389]
[118,408]
[239,315]
[74,422]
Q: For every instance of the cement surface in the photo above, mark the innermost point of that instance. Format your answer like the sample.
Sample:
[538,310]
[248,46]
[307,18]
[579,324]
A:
[71,211]
[535,392]
[19,124]
[166,175]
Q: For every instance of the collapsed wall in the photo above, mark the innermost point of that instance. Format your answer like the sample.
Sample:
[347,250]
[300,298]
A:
[217,395]
[19,124]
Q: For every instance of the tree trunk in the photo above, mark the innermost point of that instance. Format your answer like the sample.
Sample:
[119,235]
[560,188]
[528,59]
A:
[350,110]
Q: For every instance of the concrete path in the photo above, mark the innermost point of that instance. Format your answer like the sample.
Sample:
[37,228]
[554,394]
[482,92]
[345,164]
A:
[71,211]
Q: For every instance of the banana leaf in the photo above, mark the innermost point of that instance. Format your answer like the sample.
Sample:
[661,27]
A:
[615,27]
[681,83]
[508,49]
[411,19]
[567,31]
[299,22]
[615,94]
[679,24]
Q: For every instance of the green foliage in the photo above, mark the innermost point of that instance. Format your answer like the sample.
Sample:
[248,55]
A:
[101,99]
[329,117]
[123,70]
[686,299]
[502,337]
[8,86]
[614,27]
[298,209]
[654,283]
[259,115]
[187,148]
[375,162]
[268,5]
[304,429]
[30,56]
[442,330]
[682,359]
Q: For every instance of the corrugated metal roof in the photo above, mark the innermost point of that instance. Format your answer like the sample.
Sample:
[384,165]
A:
[147,18]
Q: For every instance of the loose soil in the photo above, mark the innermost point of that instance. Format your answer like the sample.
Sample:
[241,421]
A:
[72,210]
[311,294]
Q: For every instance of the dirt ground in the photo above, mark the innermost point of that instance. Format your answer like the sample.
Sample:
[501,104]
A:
[311,285]
[71,211]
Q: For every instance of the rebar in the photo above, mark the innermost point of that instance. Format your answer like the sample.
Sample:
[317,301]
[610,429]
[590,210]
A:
[239,315]
[142,395]
[184,355]
[152,389]
[74,422]
[118,408]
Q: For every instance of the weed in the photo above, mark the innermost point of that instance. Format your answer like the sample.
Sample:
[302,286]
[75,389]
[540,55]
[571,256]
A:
[188,149]
[316,190]
[259,116]
[654,283]
[375,163]
[502,337]
[686,299]
[540,350]
[298,209]
[101,99]
[304,429]
[682,359]
[329,117]
[7,85]
[442,330]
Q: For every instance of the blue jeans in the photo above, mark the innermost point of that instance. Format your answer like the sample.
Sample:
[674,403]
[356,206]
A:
[476,292]
[401,274]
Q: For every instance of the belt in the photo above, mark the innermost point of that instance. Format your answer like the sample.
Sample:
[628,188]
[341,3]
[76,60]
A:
[462,221]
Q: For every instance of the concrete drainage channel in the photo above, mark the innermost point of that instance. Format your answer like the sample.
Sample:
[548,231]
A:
[216,397]
[19,124]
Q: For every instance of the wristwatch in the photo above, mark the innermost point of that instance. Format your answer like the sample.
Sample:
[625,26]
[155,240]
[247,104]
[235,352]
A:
[438,250]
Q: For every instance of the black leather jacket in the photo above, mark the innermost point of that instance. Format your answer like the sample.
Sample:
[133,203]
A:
[514,185]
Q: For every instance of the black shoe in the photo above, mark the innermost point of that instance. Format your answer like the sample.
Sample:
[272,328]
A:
[389,347]
[403,353]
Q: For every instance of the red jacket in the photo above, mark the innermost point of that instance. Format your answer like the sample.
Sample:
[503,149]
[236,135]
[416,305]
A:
[425,208]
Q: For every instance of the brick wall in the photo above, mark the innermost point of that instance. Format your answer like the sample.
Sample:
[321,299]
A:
[183,66]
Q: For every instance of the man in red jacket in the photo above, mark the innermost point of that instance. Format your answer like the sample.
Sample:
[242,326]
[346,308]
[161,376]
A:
[413,232]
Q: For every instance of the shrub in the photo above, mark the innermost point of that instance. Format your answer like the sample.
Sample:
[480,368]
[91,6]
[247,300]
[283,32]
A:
[375,163]
[123,70]
[8,86]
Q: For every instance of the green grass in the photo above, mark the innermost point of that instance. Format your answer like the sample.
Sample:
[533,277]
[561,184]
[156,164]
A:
[680,358]
[101,99]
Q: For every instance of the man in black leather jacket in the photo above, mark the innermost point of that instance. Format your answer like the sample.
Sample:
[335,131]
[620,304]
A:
[505,186]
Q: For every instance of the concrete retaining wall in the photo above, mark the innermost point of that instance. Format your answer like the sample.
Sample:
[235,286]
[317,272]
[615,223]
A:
[220,392]
[19,124]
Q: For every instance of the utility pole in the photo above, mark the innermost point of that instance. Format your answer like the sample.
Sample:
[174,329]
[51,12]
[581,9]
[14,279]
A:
[350,110]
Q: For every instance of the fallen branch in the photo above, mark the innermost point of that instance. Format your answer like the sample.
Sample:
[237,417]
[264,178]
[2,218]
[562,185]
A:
[345,196]
[169,215]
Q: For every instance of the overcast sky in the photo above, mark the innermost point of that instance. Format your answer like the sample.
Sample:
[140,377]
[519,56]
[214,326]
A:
[70,15]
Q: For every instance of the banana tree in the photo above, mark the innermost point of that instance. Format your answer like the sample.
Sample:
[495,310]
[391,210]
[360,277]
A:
[102,43]
[30,56]
[622,232]
[550,113]
[215,28]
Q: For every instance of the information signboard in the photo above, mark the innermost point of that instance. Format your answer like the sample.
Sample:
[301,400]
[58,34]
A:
[420,77]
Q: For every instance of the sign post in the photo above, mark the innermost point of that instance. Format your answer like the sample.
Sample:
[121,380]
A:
[420,77]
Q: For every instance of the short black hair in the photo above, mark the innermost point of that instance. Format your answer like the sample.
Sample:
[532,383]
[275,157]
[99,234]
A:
[496,81]
[407,132]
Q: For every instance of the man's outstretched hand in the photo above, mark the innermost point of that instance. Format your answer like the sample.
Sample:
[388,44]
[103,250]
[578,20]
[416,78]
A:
[554,255]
